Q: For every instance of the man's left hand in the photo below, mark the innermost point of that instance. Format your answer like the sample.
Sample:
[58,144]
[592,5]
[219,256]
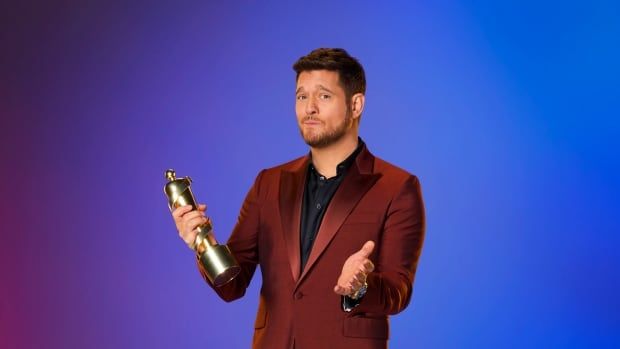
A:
[354,271]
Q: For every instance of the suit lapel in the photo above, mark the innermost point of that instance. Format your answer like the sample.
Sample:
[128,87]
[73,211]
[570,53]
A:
[358,180]
[292,183]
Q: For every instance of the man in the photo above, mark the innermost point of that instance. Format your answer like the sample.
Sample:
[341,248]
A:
[337,233]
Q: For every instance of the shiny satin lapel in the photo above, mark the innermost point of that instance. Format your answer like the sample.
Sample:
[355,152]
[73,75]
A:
[292,183]
[359,179]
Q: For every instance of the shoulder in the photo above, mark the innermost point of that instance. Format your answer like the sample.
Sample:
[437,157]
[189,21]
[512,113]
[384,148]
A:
[270,175]
[396,182]
[289,166]
[393,173]
[401,187]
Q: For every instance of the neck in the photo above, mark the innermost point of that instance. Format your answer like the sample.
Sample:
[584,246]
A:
[326,159]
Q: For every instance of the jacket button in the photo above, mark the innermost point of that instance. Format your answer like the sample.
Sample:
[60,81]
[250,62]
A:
[299,295]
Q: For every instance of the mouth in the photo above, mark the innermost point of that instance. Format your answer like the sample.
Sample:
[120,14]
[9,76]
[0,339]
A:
[311,123]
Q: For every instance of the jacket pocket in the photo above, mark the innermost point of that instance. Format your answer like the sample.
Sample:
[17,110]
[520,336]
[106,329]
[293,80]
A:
[366,327]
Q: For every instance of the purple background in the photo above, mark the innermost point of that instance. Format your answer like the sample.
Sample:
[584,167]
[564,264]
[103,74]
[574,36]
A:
[507,112]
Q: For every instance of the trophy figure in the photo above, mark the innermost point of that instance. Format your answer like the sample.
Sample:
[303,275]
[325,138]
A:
[219,263]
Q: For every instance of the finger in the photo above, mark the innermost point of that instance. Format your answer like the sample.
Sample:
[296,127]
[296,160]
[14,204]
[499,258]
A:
[181,210]
[194,222]
[188,232]
[366,268]
[369,266]
[362,273]
[190,238]
[350,283]
[188,235]
[367,249]
[191,215]
[341,290]
[202,207]
[360,278]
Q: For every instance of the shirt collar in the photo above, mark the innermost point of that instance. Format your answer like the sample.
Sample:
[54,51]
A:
[346,163]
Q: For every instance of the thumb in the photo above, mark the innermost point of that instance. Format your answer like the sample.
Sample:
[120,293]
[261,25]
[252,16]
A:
[367,249]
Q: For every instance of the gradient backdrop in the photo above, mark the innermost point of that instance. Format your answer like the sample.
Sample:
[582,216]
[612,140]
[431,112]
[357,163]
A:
[507,112]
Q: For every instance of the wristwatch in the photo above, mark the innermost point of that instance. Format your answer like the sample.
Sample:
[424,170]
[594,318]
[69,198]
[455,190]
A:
[360,293]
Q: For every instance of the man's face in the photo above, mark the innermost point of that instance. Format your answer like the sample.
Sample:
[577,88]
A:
[321,108]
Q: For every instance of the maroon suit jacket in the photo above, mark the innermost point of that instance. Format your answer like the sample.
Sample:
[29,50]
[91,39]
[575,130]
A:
[376,201]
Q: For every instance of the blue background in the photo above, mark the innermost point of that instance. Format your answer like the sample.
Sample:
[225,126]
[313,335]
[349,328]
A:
[507,112]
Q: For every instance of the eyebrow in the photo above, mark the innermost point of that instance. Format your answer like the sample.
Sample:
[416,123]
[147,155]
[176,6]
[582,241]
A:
[319,86]
[325,88]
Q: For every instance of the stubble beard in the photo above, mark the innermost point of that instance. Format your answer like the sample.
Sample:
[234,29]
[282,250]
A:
[327,137]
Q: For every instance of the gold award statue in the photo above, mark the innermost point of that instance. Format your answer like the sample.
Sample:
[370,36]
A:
[219,263]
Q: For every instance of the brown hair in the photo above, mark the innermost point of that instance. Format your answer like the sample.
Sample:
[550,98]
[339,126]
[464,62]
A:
[350,72]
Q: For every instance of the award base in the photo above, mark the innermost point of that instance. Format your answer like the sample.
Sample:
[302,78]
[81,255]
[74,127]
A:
[219,264]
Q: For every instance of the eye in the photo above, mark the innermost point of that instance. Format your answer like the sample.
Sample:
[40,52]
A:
[325,96]
[301,97]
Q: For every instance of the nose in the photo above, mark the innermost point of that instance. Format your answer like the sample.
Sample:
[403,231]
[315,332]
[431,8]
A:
[311,107]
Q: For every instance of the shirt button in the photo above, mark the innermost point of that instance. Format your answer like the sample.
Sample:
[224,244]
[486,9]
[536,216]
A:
[322,178]
[299,295]
[318,206]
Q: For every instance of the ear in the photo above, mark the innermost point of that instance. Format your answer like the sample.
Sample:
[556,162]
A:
[357,104]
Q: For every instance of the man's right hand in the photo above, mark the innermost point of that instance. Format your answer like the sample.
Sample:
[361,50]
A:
[187,221]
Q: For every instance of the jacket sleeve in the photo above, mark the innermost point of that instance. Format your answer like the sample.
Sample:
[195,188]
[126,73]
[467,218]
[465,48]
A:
[390,286]
[243,243]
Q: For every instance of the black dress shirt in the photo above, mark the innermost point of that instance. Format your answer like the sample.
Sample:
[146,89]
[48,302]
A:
[318,192]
